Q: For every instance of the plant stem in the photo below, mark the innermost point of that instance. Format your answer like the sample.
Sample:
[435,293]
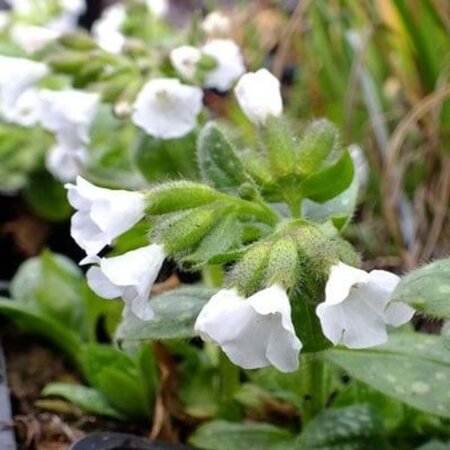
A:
[314,396]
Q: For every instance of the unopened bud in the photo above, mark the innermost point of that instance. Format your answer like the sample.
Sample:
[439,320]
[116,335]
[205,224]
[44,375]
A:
[77,41]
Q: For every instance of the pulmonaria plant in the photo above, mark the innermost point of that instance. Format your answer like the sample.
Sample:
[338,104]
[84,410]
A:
[293,286]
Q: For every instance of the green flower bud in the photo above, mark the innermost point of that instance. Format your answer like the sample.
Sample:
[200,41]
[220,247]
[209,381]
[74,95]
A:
[77,41]
[283,263]
[69,62]
[279,144]
[183,231]
[318,142]
[179,195]
[248,275]
[89,73]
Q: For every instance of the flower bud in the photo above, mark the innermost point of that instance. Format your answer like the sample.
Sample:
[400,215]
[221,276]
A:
[185,230]
[248,275]
[283,263]
[69,62]
[77,41]
[318,142]
[279,144]
[258,94]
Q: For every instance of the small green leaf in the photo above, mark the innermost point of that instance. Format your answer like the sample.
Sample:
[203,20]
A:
[106,368]
[339,209]
[35,323]
[51,283]
[427,289]
[356,427]
[329,182]
[412,367]
[88,399]
[219,164]
[221,435]
[175,315]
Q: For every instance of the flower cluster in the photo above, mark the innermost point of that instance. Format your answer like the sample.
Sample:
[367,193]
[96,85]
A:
[241,206]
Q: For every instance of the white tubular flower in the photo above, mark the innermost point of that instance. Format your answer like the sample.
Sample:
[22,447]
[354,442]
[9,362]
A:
[254,332]
[185,59]
[258,94]
[68,114]
[103,214]
[65,163]
[167,109]
[129,276]
[159,8]
[357,307]
[216,24]
[18,98]
[230,64]
[107,30]
[32,38]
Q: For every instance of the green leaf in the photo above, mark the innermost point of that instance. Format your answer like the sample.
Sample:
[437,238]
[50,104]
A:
[283,386]
[329,182]
[219,164]
[118,377]
[88,399]
[47,197]
[357,427]
[427,289]
[51,283]
[221,435]
[36,323]
[339,209]
[162,159]
[412,367]
[175,315]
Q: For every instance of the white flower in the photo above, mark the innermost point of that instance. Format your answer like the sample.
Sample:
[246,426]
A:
[357,307]
[167,109]
[216,24]
[18,98]
[159,8]
[65,163]
[33,38]
[185,59]
[258,94]
[102,215]
[254,332]
[129,276]
[230,64]
[107,30]
[69,114]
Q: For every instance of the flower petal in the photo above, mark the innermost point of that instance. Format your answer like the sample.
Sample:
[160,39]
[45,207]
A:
[101,285]
[342,278]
